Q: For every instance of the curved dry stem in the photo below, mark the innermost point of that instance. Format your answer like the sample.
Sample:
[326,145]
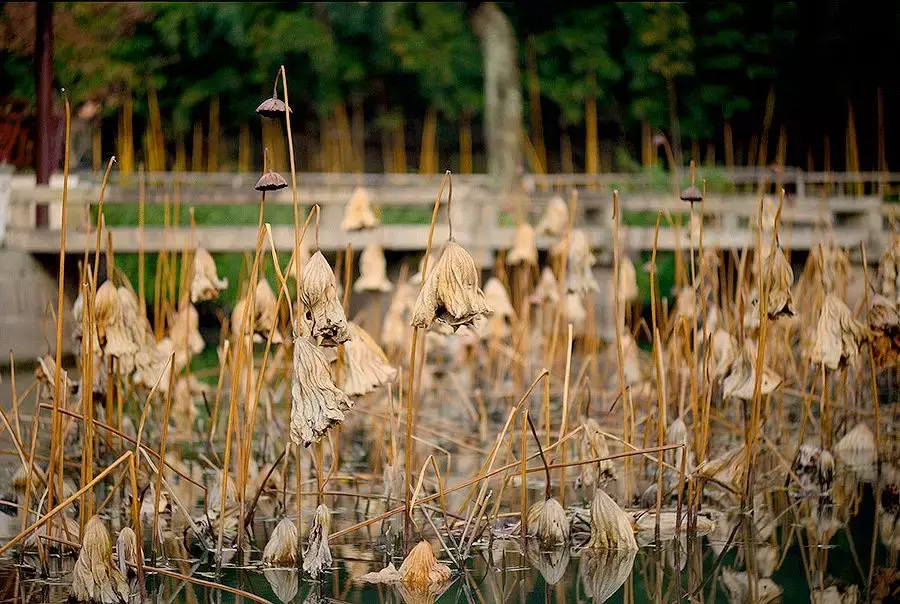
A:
[541,452]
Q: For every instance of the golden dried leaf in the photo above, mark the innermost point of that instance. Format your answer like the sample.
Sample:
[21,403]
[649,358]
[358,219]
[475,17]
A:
[366,367]
[450,292]
[421,568]
[839,335]
[316,403]
[318,293]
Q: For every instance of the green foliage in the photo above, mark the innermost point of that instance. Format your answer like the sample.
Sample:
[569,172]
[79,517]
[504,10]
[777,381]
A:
[433,42]
[574,59]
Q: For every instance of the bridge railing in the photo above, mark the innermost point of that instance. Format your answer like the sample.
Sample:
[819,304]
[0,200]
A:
[848,207]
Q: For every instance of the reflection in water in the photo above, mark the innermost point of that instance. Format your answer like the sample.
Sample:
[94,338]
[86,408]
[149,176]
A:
[604,571]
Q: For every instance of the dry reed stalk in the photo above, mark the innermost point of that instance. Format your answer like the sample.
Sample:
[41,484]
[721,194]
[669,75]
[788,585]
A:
[410,402]
[63,504]
[223,364]
[29,478]
[56,442]
[162,453]
[87,433]
[657,365]
[565,416]
[620,353]
[136,522]
[523,492]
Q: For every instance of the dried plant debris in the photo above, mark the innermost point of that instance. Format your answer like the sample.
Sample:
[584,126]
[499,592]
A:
[610,526]
[628,287]
[555,220]
[394,327]
[281,550]
[579,268]
[372,271]
[593,446]
[184,336]
[779,278]
[724,352]
[737,586]
[317,556]
[741,381]
[422,568]
[889,271]
[839,335]
[324,312]
[884,321]
[547,289]
[316,403]
[366,366]
[94,578]
[127,551]
[451,292]
[205,282]
[358,212]
[547,522]
[524,250]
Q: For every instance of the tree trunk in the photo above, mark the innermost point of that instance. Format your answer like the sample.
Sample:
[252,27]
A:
[502,91]
[674,125]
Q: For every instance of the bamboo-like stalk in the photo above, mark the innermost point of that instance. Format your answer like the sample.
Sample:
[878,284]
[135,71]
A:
[197,148]
[244,148]
[534,104]
[410,395]
[620,353]
[563,428]
[56,442]
[162,453]
[592,152]
[523,492]
[212,150]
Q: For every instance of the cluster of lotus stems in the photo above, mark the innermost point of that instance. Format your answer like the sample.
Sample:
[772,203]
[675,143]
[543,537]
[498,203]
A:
[784,373]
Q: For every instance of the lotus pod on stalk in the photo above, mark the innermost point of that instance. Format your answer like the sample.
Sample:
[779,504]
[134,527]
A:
[94,578]
[317,556]
[316,403]
[451,292]
[318,293]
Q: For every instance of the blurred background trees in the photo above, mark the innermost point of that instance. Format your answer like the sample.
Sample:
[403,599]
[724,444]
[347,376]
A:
[400,86]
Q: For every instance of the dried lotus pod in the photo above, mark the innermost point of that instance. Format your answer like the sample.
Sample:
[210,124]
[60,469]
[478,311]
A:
[358,213]
[372,271]
[555,220]
[547,523]
[365,367]
[318,293]
[127,551]
[281,549]
[628,288]
[270,181]
[205,282]
[317,556]
[421,568]
[691,194]
[780,277]
[94,578]
[316,403]
[610,526]
[273,108]
[524,250]
[839,335]
[450,293]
